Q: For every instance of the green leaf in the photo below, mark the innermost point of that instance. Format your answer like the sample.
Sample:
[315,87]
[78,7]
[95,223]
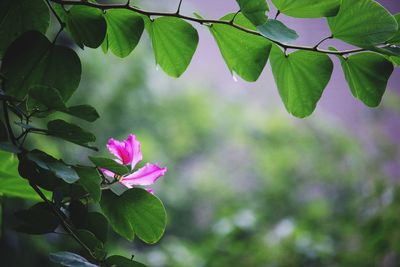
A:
[245,54]
[47,96]
[57,167]
[367,75]
[363,23]
[135,212]
[119,261]
[254,10]
[90,180]
[11,184]
[277,31]
[70,259]
[70,132]
[308,8]
[295,75]
[392,50]
[86,25]
[124,29]
[110,165]
[174,43]
[98,225]
[395,60]
[91,241]
[33,60]
[396,38]
[19,16]
[37,220]
[3,132]
[85,112]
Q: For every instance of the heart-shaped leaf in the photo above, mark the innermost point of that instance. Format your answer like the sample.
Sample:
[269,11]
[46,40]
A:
[277,31]
[308,8]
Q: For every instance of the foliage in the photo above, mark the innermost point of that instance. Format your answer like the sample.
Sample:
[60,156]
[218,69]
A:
[40,75]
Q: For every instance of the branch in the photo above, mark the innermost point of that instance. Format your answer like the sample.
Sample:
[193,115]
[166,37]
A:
[202,22]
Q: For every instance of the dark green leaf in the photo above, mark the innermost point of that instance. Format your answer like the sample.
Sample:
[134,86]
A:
[244,53]
[174,43]
[86,25]
[3,132]
[84,112]
[78,214]
[295,75]
[135,212]
[90,180]
[363,23]
[70,259]
[110,165]
[277,31]
[19,16]
[254,10]
[33,60]
[37,220]
[124,29]
[119,261]
[70,132]
[47,96]
[396,38]
[367,75]
[393,50]
[308,8]
[91,241]
[98,225]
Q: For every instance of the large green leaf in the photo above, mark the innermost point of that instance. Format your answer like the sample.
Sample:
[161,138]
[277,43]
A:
[11,184]
[70,132]
[110,165]
[362,23]
[38,219]
[301,78]
[367,75]
[124,29]
[92,242]
[33,60]
[254,10]
[308,8]
[244,53]
[86,25]
[18,16]
[174,43]
[396,38]
[90,180]
[119,261]
[135,212]
[70,259]
[277,31]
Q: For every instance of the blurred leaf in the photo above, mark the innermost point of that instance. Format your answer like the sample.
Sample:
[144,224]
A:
[299,87]
[70,259]
[244,53]
[124,29]
[174,43]
[362,23]
[33,60]
[11,184]
[308,8]
[37,220]
[91,241]
[98,225]
[70,132]
[19,16]
[135,212]
[84,112]
[254,10]
[90,180]
[57,167]
[78,213]
[396,38]
[3,132]
[277,31]
[47,96]
[367,75]
[110,165]
[86,25]
[119,261]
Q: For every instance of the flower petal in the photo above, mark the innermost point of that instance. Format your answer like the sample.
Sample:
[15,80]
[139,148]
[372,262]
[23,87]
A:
[146,175]
[133,148]
[107,172]
[117,148]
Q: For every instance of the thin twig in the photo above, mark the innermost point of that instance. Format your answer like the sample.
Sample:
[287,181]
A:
[323,40]
[179,7]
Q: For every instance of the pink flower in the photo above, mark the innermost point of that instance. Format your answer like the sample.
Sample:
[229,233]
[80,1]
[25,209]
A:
[128,153]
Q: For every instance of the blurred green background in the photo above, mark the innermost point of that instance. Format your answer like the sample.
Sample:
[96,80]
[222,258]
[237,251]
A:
[247,185]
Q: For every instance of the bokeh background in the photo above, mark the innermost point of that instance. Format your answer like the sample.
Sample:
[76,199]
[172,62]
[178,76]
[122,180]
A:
[248,185]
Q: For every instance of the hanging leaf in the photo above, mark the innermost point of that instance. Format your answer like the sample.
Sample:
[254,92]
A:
[245,54]
[308,8]
[37,220]
[363,23]
[295,75]
[124,29]
[174,43]
[19,16]
[254,10]
[70,259]
[367,75]
[110,165]
[277,31]
[135,212]
[119,261]
[90,180]
[33,60]
[84,112]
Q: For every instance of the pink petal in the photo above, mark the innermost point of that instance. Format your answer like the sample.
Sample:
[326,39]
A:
[117,148]
[146,175]
[150,190]
[107,172]
[133,148]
